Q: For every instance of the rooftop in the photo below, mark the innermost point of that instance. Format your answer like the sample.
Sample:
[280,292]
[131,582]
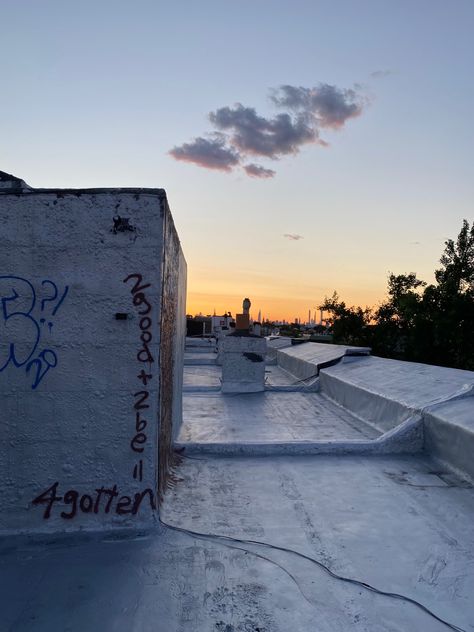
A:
[400,522]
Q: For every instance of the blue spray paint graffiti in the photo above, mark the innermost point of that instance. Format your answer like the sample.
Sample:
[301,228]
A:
[22,322]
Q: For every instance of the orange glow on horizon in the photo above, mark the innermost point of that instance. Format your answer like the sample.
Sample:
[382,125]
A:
[285,294]
[272,307]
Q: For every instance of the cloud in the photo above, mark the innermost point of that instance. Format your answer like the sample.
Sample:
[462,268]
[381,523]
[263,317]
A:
[256,171]
[293,236]
[212,154]
[325,105]
[240,132]
[259,136]
[380,74]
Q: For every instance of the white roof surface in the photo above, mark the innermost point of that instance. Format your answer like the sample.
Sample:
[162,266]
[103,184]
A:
[403,524]
[392,522]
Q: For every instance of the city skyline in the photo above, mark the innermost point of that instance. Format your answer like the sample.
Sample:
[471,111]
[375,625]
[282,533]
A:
[259,316]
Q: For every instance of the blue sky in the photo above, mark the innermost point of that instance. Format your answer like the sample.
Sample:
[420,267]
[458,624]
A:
[97,93]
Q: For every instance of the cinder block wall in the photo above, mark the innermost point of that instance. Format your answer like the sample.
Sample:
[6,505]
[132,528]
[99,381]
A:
[92,329]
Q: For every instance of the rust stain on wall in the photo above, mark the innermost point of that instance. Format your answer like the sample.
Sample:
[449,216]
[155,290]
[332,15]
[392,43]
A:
[170,282]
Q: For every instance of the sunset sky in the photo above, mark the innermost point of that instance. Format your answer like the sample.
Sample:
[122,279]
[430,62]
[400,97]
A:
[305,146]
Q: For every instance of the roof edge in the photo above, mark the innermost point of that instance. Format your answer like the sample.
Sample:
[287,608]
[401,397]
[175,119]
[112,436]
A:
[11,185]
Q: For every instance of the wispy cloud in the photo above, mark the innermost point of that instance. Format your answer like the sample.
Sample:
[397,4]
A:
[256,171]
[380,74]
[240,132]
[210,153]
[324,106]
[293,236]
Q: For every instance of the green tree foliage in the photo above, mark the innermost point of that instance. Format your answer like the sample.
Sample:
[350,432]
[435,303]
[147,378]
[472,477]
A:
[396,318]
[457,274]
[419,322]
[349,324]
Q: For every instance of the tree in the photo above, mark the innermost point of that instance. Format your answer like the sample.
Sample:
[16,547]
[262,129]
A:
[419,322]
[349,324]
[395,319]
[457,274]
[449,306]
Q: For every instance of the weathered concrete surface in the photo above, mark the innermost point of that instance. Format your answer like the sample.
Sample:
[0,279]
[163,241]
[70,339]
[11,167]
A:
[243,363]
[403,524]
[387,521]
[201,378]
[267,417]
[83,292]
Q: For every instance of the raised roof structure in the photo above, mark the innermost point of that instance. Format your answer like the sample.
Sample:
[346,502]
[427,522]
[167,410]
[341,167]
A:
[92,322]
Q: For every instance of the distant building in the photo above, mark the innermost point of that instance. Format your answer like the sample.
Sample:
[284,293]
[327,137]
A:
[221,323]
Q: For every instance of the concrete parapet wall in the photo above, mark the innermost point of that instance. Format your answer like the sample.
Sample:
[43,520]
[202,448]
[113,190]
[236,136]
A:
[384,392]
[243,363]
[82,296]
[449,435]
[381,391]
[374,408]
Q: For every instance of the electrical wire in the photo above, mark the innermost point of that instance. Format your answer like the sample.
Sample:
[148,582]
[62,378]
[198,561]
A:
[268,559]
[349,580]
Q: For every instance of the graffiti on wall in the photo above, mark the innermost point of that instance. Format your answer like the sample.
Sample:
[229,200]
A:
[102,500]
[144,357]
[27,318]
[106,500]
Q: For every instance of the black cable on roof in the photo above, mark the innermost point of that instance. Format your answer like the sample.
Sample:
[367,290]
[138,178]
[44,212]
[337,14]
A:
[349,580]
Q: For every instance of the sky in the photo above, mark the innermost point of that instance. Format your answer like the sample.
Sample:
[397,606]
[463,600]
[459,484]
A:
[304,146]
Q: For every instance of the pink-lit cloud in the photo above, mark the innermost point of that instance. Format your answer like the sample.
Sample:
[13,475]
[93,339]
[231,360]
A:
[259,136]
[241,132]
[210,153]
[324,105]
[256,171]
[293,236]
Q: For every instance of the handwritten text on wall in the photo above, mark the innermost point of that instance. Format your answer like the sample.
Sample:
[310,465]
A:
[26,325]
